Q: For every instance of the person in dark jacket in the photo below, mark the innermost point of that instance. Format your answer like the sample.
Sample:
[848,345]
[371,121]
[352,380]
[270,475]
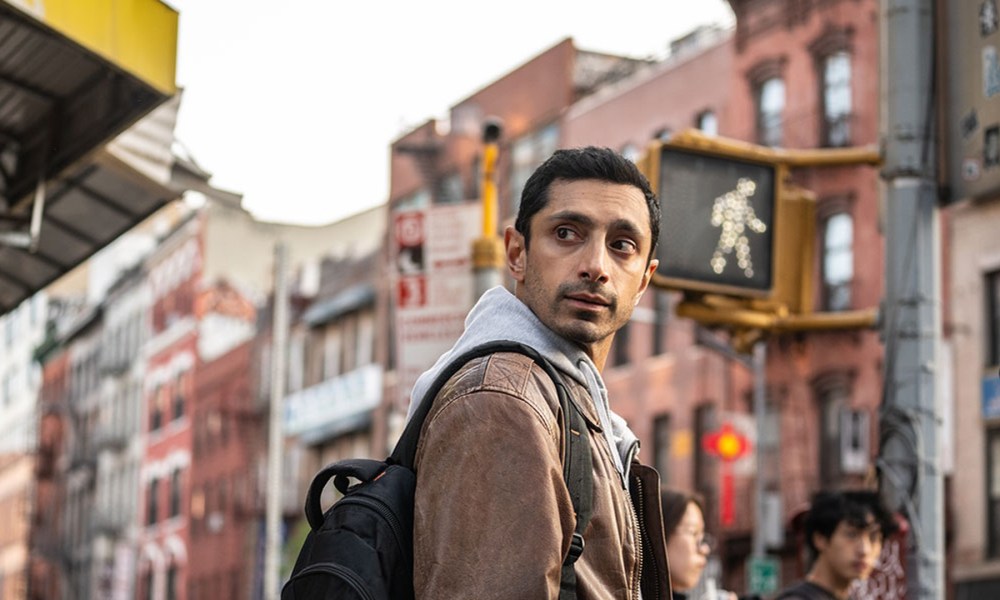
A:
[844,531]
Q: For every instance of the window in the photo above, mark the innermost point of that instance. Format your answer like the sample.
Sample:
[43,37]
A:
[365,339]
[631,152]
[172,582]
[769,445]
[331,353]
[451,190]
[837,99]
[993,491]
[527,154]
[663,134]
[175,493]
[148,583]
[156,412]
[707,122]
[992,285]
[770,106]
[661,447]
[832,396]
[179,396]
[152,501]
[838,261]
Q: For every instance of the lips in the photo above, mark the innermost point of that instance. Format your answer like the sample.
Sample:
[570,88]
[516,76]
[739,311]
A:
[593,300]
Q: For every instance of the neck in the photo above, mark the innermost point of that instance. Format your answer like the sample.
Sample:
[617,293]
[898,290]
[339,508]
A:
[598,352]
[830,581]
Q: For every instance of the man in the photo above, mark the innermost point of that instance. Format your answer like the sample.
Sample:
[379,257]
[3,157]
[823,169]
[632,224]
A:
[493,517]
[845,531]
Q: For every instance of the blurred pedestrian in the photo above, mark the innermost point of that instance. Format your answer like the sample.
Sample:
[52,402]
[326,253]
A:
[493,516]
[844,532]
[688,544]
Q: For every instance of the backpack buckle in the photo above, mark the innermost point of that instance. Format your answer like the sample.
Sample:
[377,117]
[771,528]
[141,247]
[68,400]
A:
[575,548]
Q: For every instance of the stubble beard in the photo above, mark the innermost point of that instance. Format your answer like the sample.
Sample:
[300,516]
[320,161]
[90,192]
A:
[585,327]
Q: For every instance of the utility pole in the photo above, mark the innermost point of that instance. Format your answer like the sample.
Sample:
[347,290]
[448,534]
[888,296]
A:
[276,438]
[910,477]
[760,415]
[487,251]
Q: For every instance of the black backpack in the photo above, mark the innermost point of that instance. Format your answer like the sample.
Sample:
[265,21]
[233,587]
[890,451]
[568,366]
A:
[362,548]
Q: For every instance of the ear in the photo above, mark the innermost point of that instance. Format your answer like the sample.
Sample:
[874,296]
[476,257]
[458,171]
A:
[819,542]
[516,253]
[646,278]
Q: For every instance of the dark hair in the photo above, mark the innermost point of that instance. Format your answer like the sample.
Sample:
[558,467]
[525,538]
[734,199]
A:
[574,164]
[674,504]
[855,507]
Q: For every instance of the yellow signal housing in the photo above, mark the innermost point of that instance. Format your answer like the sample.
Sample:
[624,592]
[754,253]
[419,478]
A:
[678,170]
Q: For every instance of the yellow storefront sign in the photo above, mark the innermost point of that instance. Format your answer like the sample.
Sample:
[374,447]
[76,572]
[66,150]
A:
[137,36]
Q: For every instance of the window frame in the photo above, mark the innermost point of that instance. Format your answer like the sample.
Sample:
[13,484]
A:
[991,296]
[992,435]
[829,123]
[832,40]
[829,289]
[770,127]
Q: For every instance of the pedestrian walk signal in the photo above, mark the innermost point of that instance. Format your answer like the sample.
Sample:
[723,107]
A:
[718,205]
[717,226]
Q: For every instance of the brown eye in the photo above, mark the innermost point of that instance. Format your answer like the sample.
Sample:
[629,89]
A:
[565,233]
[625,246]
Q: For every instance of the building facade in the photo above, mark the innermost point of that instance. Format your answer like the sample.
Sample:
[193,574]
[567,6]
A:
[168,395]
[22,329]
[226,472]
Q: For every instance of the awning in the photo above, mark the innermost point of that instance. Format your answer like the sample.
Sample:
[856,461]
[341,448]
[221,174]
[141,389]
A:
[74,74]
[349,300]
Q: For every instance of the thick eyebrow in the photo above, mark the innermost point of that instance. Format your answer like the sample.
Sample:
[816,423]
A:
[572,216]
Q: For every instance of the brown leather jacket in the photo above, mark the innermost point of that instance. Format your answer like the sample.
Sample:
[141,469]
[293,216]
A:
[492,515]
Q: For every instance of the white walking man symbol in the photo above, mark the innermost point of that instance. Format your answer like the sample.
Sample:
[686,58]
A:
[732,211]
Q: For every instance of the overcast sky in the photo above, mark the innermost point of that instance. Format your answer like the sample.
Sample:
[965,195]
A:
[295,103]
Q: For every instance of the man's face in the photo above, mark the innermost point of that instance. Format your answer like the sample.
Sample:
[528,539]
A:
[586,268]
[852,551]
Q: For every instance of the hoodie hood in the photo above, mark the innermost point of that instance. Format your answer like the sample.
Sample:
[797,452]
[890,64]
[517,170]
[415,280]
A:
[499,315]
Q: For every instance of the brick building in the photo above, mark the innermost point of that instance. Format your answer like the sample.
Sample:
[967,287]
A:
[46,567]
[225,475]
[165,477]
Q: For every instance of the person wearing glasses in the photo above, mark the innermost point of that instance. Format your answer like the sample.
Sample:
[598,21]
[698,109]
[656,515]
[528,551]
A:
[688,545]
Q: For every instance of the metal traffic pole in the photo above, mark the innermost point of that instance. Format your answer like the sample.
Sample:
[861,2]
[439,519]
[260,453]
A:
[275,438]
[488,250]
[910,476]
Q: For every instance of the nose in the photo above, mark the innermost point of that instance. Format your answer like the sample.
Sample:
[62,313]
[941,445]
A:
[594,262]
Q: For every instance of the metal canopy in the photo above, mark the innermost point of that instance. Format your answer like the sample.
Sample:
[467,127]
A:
[99,200]
[72,76]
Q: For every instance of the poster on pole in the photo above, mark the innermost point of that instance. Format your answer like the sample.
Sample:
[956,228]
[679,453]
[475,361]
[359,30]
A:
[433,287]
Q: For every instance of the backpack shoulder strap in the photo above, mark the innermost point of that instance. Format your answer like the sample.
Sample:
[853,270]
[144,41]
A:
[577,461]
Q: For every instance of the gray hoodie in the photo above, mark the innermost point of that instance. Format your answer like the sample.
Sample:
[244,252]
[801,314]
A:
[499,315]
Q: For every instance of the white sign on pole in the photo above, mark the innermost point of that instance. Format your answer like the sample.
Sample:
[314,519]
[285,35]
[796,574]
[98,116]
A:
[434,285]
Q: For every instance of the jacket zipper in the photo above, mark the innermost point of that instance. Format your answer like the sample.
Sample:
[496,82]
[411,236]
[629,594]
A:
[644,540]
[347,575]
[383,511]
